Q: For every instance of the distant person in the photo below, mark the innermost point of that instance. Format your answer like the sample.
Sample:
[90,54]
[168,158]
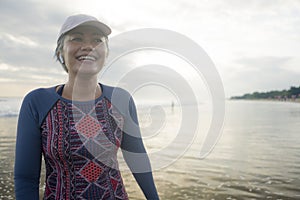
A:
[79,126]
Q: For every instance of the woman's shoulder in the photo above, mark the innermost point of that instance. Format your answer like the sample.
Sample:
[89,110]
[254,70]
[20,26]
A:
[40,93]
[41,97]
[119,97]
[116,92]
[39,101]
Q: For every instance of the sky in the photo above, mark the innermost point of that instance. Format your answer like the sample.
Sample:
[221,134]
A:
[254,44]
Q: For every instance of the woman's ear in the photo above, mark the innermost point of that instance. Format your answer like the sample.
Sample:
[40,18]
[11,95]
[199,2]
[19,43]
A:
[61,58]
[107,51]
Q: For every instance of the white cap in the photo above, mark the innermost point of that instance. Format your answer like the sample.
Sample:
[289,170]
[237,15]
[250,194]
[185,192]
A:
[81,19]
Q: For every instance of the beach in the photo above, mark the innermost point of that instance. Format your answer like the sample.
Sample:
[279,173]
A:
[256,157]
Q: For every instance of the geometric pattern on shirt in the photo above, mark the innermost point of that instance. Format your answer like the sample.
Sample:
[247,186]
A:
[88,126]
[80,148]
[91,171]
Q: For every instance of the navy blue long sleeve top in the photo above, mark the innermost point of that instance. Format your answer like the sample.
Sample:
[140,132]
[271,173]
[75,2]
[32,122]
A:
[79,141]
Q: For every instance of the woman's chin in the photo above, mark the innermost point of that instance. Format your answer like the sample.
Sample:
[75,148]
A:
[89,70]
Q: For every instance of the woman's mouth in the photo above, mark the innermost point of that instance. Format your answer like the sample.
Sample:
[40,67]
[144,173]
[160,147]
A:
[88,58]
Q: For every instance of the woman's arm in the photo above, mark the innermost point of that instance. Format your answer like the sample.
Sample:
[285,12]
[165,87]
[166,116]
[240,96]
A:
[138,162]
[136,156]
[28,154]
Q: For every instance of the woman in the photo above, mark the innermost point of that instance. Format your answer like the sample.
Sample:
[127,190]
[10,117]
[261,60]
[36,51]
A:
[79,126]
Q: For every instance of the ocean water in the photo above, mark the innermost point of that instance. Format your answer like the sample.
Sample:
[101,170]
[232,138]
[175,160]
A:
[256,157]
[9,106]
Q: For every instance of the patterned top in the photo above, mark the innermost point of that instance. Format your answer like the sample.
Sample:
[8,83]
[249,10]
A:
[79,141]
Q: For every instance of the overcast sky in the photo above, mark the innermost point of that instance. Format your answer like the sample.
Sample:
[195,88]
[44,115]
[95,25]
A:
[253,43]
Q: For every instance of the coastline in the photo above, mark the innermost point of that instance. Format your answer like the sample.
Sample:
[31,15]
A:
[270,100]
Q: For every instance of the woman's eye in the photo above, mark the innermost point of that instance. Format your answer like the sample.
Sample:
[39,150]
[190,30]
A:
[98,40]
[76,39]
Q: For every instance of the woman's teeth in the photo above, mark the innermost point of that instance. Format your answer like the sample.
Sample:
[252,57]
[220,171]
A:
[87,58]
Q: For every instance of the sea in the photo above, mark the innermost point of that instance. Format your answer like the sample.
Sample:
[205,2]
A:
[257,155]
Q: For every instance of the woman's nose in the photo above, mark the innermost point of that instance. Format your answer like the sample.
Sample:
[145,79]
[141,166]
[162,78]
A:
[87,46]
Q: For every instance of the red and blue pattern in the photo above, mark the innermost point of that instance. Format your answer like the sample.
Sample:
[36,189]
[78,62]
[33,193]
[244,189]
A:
[80,144]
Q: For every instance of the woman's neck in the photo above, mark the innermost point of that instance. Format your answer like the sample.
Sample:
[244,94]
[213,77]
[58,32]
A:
[80,89]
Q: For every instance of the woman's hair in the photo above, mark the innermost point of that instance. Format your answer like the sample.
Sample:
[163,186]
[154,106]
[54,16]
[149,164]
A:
[60,46]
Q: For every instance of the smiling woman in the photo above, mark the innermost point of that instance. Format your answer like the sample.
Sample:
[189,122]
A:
[84,50]
[78,127]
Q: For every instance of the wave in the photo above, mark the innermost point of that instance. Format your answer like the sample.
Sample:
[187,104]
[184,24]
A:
[10,106]
[9,111]
[9,114]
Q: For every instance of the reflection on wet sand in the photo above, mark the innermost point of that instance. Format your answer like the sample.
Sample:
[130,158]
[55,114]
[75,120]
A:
[7,149]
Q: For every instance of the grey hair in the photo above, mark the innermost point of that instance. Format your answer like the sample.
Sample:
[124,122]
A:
[60,46]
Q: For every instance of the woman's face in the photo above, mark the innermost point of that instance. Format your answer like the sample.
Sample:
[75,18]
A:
[84,51]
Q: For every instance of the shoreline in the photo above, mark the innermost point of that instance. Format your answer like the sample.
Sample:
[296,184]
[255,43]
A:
[270,100]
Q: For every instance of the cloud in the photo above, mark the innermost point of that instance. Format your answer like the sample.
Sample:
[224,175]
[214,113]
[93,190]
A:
[263,74]
[28,74]
[263,63]
[254,43]
[28,32]
[30,18]
[18,40]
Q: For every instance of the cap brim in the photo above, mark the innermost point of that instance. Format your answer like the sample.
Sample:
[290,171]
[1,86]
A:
[105,30]
[101,26]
